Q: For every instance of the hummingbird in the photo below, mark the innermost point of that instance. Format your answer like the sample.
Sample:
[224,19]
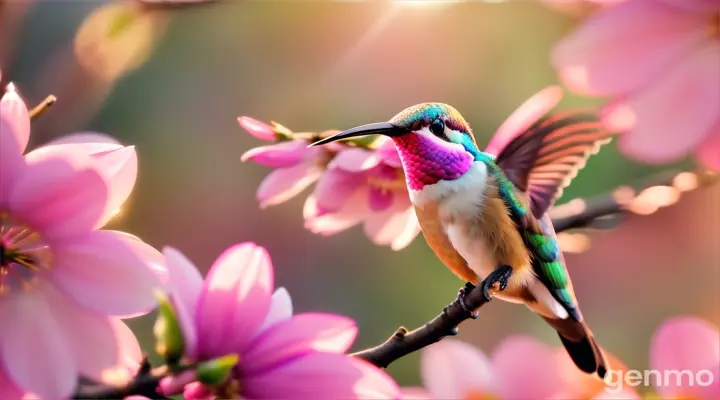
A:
[484,213]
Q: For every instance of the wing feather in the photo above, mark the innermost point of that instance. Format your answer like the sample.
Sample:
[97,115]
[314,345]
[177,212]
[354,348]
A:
[544,159]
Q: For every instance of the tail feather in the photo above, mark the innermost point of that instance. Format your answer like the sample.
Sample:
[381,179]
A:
[580,344]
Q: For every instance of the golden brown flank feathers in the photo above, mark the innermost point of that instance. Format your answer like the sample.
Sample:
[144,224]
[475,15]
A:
[439,242]
[500,232]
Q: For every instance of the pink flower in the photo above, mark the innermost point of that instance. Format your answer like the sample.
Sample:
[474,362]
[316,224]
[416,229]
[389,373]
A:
[520,368]
[453,369]
[691,345]
[297,165]
[281,355]
[63,283]
[659,61]
[365,186]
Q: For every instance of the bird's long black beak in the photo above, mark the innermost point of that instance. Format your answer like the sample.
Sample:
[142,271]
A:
[378,128]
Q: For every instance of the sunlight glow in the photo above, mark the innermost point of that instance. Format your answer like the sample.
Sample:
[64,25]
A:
[116,212]
[427,3]
[574,242]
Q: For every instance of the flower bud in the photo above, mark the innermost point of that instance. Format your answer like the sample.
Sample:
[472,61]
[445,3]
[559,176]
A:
[170,341]
[217,371]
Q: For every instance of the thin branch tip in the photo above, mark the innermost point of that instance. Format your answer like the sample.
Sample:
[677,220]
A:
[39,109]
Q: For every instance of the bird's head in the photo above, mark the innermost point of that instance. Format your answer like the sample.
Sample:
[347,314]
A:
[434,141]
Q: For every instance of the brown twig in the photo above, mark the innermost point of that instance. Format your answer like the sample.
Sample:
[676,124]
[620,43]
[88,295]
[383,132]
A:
[144,383]
[39,109]
[446,324]
[581,213]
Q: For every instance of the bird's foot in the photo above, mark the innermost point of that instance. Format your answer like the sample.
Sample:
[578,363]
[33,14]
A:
[461,299]
[499,276]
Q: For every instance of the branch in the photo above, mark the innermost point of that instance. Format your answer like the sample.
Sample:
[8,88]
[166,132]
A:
[144,383]
[636,199]
[575,214]
[446,324]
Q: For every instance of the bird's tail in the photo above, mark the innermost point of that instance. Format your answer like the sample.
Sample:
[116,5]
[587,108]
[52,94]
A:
[580,344]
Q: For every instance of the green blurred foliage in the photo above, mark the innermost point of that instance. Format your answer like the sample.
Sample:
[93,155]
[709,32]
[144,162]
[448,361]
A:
[321,65]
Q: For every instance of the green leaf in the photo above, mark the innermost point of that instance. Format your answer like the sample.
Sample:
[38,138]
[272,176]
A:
[170,342]
[217,371]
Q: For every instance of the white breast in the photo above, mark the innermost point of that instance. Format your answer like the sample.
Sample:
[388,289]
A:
[460,203]
[462,196]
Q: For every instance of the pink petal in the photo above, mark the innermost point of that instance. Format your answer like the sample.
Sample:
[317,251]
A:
[35,351]
[185,286]
[281,309]
[102,273]
[299,335]
[153,258]
[310,208]
[235,299]
[283,184]
[128,346]
[322,376]
[8,389]
[198,391]
[523,117]
[389,155]
[622,393]
[355,160]
[686,344]
[60,196]
[15,119]
[116,163]
[708,152]
[119,167]
[535,377]
[452,369]
[335,187]
[621,48]
[258,129]
[695,5]
[185,316]
[661,133]
[279,155]
[87,139]
[323,223]
[186,282]
[415,393]
[91,337]
[14,135]
[175,384]
[394,228]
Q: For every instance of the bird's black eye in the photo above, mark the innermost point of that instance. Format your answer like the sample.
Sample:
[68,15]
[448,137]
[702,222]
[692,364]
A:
[438,128]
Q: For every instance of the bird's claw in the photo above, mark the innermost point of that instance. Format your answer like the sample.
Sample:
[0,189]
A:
[499,276]
[461,299]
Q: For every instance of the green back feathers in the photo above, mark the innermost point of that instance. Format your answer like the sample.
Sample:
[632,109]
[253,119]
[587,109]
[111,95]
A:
[539,238]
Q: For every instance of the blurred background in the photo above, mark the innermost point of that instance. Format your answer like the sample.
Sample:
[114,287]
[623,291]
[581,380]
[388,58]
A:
[173,81]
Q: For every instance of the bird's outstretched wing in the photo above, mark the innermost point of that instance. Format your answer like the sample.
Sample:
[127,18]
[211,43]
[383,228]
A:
[541,154]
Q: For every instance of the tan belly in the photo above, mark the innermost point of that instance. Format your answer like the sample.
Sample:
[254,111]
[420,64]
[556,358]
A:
[491,240]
